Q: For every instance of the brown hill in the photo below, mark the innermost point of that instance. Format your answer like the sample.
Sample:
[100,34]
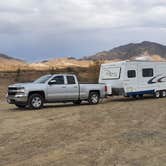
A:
[140,51]
[61,63]
[145,50]
[8,63]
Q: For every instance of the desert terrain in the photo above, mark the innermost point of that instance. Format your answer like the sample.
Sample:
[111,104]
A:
[117,132]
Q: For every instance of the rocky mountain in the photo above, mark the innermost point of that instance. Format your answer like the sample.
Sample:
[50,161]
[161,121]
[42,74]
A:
[142,51]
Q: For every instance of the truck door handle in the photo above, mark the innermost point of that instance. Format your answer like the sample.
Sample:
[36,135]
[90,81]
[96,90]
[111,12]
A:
[63,86]
[75,86]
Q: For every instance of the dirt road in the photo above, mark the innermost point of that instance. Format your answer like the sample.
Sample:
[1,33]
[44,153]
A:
[118,132]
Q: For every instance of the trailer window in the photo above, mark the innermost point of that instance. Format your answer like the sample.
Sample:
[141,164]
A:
[110,73]
[148,72]
[70,80]
[131,73]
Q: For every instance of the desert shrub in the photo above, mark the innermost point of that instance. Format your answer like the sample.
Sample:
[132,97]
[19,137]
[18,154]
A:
[18,73]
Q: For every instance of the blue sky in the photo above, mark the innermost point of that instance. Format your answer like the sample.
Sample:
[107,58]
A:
[35,30]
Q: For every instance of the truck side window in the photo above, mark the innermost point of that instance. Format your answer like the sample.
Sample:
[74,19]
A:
[148,72]
[131,73]
[58,80]
[71,80]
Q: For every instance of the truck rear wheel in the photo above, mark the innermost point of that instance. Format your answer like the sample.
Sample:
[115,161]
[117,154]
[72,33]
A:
[36,101]
[94,98]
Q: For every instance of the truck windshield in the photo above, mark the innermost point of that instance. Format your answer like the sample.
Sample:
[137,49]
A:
[43,79]
[109,73]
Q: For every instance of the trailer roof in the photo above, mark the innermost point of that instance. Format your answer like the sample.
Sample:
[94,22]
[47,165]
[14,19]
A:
[137,61]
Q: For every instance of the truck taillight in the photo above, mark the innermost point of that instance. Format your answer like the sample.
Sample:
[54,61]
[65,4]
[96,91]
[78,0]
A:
[105,88]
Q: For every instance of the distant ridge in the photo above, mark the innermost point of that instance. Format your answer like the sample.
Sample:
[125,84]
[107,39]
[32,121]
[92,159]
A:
[8,63]
[132,51]
[9,57]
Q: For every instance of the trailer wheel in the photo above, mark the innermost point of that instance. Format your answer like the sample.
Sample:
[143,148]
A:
[36,101]
[163,93]
[157,94]
[94,98]
[141,96]
[134,96]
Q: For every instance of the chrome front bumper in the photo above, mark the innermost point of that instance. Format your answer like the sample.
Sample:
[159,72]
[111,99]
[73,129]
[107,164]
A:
[23,98]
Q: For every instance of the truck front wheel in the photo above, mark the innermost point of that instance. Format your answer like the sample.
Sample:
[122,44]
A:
[94,98]
[36,101]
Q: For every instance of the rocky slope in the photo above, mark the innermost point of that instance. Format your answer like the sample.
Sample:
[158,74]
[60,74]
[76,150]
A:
[142,51]
[9,63]
[139,51]
[61,63]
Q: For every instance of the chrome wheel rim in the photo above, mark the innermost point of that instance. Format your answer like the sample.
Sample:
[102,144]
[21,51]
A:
[94,98]
[157,94]
[164,93]
[36,102]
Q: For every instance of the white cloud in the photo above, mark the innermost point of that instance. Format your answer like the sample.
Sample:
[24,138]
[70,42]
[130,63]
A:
[71,27]
[54,16]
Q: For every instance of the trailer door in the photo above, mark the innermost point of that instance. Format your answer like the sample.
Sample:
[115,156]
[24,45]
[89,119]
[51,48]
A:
[131,78]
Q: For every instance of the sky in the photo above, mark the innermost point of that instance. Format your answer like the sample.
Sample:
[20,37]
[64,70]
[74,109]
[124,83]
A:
[36,30]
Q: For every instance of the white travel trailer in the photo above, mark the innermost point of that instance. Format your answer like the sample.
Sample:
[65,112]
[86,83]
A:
[134,78]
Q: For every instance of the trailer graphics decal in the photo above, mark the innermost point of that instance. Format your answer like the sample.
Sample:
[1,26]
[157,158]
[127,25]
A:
[158,79]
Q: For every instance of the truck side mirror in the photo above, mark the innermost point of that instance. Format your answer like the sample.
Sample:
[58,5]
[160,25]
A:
[52,82]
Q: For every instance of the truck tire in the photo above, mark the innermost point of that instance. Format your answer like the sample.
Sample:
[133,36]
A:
[94,98]
[20,105]
[35,101]
[77,102]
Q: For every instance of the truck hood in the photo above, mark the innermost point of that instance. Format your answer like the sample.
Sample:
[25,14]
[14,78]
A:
[29,85]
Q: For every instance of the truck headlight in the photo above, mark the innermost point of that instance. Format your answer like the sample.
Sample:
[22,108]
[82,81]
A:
[20,90]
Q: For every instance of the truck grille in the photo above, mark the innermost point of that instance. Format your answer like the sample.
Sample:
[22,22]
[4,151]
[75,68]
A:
[12,91]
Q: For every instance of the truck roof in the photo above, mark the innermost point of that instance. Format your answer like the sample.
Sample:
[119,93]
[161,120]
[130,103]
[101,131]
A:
[61,74]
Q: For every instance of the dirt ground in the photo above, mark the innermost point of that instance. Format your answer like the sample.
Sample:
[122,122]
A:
[117,132]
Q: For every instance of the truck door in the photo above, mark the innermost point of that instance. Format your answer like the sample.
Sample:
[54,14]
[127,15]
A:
[131,79]
[56,90]
[72,90]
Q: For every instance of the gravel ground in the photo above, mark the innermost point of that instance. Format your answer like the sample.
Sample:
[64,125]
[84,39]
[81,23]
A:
[117,132]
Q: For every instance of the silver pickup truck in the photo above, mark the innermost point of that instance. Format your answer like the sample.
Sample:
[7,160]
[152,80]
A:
[54,88]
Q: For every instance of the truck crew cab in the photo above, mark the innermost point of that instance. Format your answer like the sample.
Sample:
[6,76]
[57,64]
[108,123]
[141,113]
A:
[54,88]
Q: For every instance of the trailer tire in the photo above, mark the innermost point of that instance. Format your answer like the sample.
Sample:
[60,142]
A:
[163,93]
[35,101]
[134,96]
[141,96]
[157,94]
[94,98]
